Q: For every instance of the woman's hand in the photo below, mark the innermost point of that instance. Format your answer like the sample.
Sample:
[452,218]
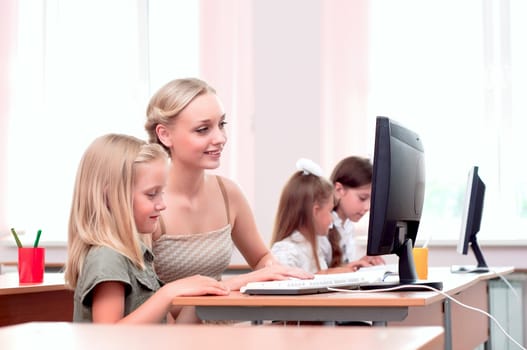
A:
[272,272]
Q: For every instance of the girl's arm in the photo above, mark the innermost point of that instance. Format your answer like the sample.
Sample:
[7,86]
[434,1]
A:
[108,300]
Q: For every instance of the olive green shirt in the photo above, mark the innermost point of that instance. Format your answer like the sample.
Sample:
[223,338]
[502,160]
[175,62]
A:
[103,264]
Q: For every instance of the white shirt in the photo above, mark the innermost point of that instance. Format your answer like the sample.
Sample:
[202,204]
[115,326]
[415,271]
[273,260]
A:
[347,242]
[295,251]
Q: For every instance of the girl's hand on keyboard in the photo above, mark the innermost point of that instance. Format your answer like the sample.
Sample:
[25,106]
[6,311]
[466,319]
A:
[349,267]
[357,264]
[374,260]
[365,261]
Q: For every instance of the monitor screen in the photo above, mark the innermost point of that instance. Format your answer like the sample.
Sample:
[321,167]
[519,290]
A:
[398,188]
[471,222]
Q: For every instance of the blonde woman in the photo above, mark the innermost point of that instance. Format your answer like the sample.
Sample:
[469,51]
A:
[207,215]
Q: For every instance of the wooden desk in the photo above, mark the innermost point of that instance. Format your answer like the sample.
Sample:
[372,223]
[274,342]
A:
[380,307]
[453,316]
[116,337]
[47,301]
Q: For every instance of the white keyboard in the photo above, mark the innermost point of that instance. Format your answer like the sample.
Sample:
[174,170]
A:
[321,283]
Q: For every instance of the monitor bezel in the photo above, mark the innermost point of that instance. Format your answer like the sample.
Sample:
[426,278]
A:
[387,235]
[471,222]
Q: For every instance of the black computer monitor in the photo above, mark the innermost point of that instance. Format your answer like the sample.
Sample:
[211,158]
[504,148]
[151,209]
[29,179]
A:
[471,222]
[398,188]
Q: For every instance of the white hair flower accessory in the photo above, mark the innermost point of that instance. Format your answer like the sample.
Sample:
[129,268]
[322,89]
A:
[309,167]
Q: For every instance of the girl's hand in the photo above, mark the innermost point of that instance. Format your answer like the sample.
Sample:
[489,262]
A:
[365,261]
[357,264]
[197,285]
[373,260]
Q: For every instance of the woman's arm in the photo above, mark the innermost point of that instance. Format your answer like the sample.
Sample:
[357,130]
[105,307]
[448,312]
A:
[245,234]
[249,242]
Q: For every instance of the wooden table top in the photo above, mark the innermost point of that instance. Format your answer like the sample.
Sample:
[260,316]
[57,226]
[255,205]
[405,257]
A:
[127,337]
[9,284]
[452,284]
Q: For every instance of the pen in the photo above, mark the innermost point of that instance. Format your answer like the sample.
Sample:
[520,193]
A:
[37,239]
[16,238]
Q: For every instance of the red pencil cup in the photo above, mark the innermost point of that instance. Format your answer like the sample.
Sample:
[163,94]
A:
[31,265]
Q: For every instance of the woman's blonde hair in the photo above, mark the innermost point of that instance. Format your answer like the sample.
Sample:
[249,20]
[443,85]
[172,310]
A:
[295,209]
[169,101]
[102,205]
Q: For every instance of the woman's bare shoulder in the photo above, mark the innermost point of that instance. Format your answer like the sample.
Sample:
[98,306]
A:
[231,186]
[234,193]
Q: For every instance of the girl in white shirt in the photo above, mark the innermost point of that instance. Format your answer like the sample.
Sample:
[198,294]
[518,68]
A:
[302,222]
[351,178]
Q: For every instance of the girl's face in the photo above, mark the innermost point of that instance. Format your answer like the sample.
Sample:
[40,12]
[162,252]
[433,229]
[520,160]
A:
[353,202]
[322,217]
[197,135]
[150,181]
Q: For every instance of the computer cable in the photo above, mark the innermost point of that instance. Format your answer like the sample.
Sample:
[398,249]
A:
[409,286]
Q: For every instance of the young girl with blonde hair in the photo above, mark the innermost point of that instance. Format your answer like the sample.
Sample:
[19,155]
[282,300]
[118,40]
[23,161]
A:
[117,201]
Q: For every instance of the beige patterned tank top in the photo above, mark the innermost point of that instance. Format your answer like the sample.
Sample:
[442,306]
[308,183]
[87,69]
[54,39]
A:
[208,254]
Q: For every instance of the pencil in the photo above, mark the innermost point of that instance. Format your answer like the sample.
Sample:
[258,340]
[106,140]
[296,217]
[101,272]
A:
[37,239]
[16,238]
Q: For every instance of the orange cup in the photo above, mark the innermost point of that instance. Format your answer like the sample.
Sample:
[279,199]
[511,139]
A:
[421,262]
[31,265]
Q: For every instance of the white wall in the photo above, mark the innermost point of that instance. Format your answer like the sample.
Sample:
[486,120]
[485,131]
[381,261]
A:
[287,97]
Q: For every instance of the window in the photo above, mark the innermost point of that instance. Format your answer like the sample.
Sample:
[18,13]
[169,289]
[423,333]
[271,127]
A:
[451,70]
[82,69]
[454,73]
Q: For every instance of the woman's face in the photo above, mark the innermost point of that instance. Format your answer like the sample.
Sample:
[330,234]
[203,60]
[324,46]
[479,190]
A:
[353,202]
[196,137]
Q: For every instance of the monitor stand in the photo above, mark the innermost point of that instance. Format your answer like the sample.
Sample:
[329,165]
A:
[482,266]
[407,275]
[468,269]
[414,286]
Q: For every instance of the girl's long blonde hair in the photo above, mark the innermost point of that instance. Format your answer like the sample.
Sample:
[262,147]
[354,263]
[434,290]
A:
[102,211]
[295,209]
